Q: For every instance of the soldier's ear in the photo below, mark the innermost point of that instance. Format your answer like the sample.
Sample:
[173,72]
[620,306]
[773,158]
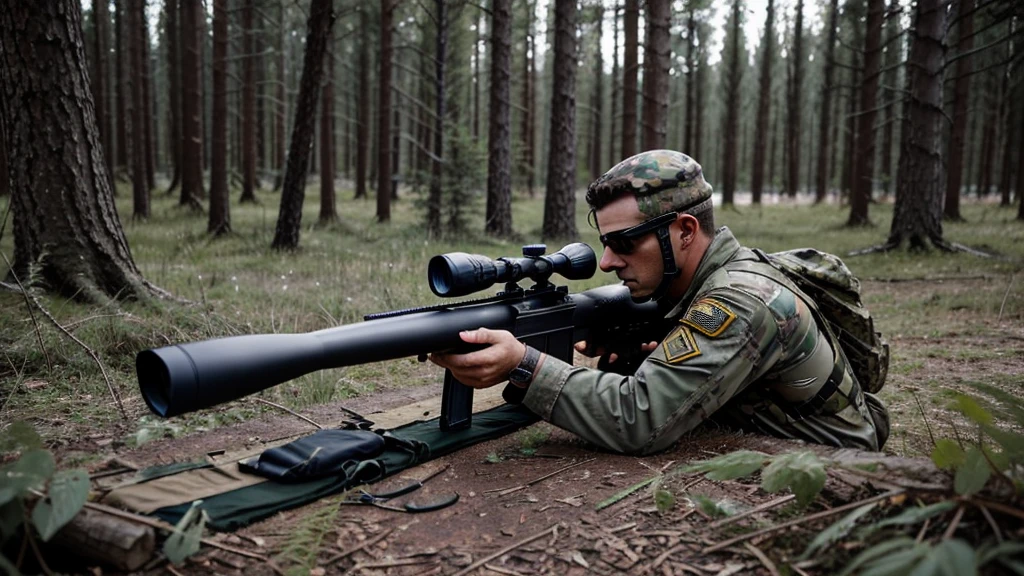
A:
[688,229]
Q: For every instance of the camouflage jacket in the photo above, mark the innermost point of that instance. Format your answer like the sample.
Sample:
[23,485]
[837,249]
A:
[744,350]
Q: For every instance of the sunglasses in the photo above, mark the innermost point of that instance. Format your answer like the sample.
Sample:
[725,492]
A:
[623,242]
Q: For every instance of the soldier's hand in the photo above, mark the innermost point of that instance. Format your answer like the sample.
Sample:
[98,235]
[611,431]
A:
[584,349]
[487,367]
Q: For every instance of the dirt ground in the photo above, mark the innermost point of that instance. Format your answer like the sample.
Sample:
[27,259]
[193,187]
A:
[528,501]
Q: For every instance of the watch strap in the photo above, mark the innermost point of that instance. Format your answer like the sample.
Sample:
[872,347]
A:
[522,375]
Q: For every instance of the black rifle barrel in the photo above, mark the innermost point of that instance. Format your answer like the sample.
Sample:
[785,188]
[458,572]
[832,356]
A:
[185,377]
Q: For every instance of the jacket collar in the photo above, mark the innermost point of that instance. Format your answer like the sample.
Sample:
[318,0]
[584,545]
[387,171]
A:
[722,249]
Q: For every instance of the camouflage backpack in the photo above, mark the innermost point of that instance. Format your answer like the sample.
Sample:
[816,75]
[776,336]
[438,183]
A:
[829,284]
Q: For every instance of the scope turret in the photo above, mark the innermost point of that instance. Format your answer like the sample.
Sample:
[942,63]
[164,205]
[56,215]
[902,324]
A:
[459,274]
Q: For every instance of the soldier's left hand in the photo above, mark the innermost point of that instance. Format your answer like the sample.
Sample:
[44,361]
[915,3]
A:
[487,367]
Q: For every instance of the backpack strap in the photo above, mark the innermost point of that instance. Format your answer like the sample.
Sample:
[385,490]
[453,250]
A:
[812,405]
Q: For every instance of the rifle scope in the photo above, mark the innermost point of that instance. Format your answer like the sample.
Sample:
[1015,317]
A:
[459,274]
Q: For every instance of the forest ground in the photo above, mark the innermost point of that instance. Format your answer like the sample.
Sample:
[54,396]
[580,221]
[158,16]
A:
[953,321]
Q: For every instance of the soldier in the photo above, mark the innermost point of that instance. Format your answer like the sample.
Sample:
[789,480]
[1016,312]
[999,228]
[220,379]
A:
[744,349]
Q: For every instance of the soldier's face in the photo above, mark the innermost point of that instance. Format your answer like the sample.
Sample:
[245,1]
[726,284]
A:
[641,269]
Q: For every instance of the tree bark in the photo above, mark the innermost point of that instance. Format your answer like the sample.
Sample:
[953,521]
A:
[140,191]
[892,58]
[824,142]
[101,17]
[476,75]
[328,210]
[219,221]
[988,137]
[863,177]
[1020,171]
[657,50]
[629,77]
[121,8]
[961,97]
[148,106]
[248,119]
[498,220]
[5,177]
[614,112]
[851,132]
[281,106]
[363,116]
[191,106]
[289,218]
[560,199]
[173,35]
[396,146]
[597,98]
[387,12]
[527,102]
[795,90]
[440,106]
[732,112]
[62,202]
[1006,119]
[764,104]
[917,217]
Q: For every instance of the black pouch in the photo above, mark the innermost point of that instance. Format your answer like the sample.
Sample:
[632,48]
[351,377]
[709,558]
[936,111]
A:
[324,453]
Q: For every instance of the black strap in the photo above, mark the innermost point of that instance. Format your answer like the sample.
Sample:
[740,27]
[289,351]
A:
[814,404]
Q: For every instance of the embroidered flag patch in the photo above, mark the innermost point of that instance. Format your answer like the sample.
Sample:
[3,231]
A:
[708,316]
[680,345]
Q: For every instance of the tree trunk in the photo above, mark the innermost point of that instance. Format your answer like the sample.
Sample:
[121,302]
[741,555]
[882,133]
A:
[387,13]
[795,85]
[289,218]
[476,76]
[988,137]
[173,36]
[764,105]
[363,116]
[220,220]
[863,181]
[281,106]
[892,58]
[5,177]
[101,17]
[396,147]
[821,185]
[248,119]
[121,44]
[701,73]
[629,77]
[64,216]
[917,217]
[774,139]
[732,112]
[191,106]
[1006,119]
[657,50]
[597,98]
[961,97]
[498,220]
[690,112]
[328,210]
[560,199]
[440,105]
[148,115]
[531,129]
[613,113]
[140,191]
[851,132]
[1020,170]
[527,101]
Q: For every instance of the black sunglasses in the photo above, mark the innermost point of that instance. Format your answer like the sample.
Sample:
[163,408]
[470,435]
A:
[623,242]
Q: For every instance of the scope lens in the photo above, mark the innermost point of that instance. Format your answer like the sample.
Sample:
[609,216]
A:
[439,273]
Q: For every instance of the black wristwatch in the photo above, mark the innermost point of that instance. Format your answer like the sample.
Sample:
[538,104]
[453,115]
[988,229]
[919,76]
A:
[522,374]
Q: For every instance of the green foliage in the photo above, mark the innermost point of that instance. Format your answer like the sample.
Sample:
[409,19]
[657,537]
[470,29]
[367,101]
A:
[303,546]
[69,490]
[972,475]
[707,505]
[802,472]
[620,495]
[905,556]
[531,438]
[493,458]
[908,517]
[837,531]
[664,499]
[947,454]
[184,541]
[730,466]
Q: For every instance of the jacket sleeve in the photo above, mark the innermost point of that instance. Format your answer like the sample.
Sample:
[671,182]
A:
[723,342]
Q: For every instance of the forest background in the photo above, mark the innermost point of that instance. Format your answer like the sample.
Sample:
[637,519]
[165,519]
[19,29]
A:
[156,157]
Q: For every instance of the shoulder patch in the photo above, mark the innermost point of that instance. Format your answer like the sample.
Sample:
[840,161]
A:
[680,345]
[708,316]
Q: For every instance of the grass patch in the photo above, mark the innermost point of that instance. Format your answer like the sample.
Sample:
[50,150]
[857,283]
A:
[238,285]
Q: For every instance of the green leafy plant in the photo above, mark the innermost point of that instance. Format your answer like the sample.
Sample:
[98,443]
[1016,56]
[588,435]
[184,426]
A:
[803,473]
[33,493]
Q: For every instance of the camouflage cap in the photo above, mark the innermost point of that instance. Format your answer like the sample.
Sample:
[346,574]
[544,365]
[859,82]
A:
[662,181]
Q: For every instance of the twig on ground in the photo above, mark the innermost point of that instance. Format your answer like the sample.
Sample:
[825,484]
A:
[754,510]
[924,417]
[290,411]
[39,556]
[923,530]
[507,491]
[999,507]
[28,304]
[664,556]
[553,530]
[501,570]
[991,522]
[351,551]
[618,529]
[891,481]
[765,560]
[1007,293]
[801,520]
[388,564]
[170,568]
[954,523]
